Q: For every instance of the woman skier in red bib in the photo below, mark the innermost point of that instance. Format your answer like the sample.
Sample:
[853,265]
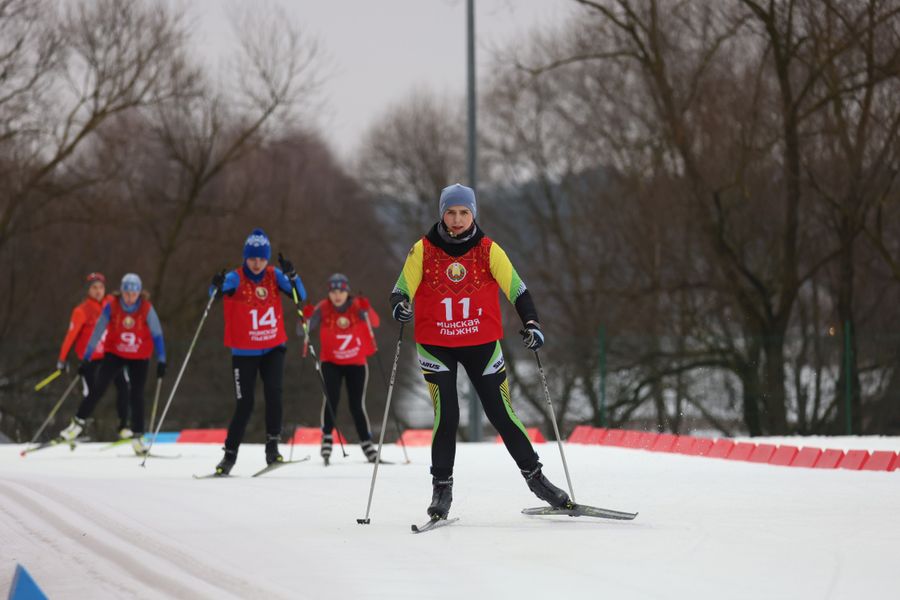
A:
[454,274]
[255,333]
[346,329]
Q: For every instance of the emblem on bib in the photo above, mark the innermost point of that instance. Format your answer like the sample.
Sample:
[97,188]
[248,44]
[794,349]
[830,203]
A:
[456,272]
[343,322]
[128,322]
[262,293]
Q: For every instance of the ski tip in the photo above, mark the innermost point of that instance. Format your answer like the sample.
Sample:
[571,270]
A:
[363,521]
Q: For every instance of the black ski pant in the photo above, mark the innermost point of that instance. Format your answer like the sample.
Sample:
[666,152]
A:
[89,379]
[486,369]
[111,367]
[271,370]
[357,377]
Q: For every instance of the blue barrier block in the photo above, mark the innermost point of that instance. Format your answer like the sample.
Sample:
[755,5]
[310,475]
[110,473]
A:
[23,586]
[164,437]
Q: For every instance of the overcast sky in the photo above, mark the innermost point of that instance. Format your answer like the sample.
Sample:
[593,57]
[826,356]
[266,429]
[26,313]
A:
[381,50]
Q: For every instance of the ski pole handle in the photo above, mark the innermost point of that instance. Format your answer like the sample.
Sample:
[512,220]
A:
[47,380]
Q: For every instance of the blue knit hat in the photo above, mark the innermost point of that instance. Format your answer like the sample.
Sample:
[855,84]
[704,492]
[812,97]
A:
[338,281]
[131,283]
[458,195]
[257,245]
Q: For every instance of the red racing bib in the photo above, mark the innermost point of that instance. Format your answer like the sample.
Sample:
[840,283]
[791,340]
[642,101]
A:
[458,301]
[128,334]
[254,319]
[344,336]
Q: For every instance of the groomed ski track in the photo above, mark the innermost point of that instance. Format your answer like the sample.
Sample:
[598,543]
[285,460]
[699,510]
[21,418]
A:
[90,525]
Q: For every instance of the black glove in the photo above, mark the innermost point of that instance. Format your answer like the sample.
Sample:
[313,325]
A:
[218,280]
[403,312]
[83,368]
[287,267]
[62,365]
[160,370]
[532,336]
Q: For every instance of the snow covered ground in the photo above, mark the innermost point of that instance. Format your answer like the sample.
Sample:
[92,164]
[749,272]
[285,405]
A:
[92,524]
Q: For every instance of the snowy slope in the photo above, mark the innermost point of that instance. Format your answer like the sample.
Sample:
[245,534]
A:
[91,524]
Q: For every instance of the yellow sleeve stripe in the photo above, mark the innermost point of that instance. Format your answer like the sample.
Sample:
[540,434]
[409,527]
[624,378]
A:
[411,276]
[505,274]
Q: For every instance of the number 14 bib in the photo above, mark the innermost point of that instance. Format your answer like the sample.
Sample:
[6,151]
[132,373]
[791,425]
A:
[253,316]
[458,301]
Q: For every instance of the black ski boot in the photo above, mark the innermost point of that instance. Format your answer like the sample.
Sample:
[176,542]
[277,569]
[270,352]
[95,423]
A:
[441,498]
[370,450]
[545,490]
[272,453]
[327,443]
[225,465]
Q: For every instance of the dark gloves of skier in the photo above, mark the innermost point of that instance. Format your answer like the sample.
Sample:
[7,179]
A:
[160,370]
[83,368]
[287,267]
[532,336]
[403,312]
[218,281]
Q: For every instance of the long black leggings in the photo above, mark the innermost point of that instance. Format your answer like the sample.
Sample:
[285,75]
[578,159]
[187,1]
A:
[121,382]
[357,377]
[271,371]
[486,369]
[111,367]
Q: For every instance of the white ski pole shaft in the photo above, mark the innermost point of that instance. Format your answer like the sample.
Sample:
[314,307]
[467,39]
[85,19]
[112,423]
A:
[55,409]
[187,357]
[155,403]
[381,370]
[387,407]
[562,453]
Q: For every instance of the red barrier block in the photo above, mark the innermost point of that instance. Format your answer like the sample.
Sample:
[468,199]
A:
[580,434]
[721,448]
[313,436]
[784,455]
[830,459]
[683,444]
[741,451]
[597,436]
[202,436]
[701,447]
[534,434]
[631,439]
[762,453]
[854,460]
[882,460]
[664,442]
[807,457]
[647,440]
[417,437]
[613,437]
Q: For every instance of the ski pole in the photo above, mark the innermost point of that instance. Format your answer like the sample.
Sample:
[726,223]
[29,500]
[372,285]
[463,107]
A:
[155,402]
[187,357]
[55,408]
[312,351]
[47,380]
[387,407]
[562,454]
[293,436]
[384,380]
